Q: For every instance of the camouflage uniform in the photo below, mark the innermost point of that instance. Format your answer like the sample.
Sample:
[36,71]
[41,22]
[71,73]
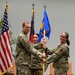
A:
[23,55]
[36,64]
[59,56]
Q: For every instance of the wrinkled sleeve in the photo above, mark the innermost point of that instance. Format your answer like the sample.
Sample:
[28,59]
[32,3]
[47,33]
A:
[49,51]
[56,55]
[25,42]
[37,46]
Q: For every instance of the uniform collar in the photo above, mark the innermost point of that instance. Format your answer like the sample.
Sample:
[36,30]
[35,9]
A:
[62,43]
[24,33]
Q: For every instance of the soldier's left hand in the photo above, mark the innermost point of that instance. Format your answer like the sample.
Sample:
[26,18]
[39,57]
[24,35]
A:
[44,46]
[43,41]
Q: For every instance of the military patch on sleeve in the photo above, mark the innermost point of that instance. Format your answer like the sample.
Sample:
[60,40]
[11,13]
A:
[24,39]
[61,51]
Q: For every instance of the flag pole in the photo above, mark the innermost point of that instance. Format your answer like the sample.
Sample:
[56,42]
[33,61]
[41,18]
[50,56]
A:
[32,25]
[33,10]
[43,62]
[43,66]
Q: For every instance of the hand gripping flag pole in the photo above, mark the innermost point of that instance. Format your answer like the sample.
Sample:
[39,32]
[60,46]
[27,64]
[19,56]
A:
[44,51]
[46,30]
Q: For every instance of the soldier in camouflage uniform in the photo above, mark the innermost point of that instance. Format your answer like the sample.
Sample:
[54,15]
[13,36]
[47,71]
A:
[23,52]
[36,64]
[59,56]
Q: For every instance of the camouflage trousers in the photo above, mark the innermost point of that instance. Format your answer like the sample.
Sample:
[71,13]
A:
[37,71]
[23,70]
[60,71]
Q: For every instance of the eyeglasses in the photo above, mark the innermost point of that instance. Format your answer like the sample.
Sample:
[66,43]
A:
[62,36]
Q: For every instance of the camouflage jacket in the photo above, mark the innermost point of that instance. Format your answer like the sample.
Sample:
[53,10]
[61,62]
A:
[59,56]
[35,62]
[24,49]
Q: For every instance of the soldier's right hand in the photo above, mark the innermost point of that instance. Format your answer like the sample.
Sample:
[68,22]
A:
[43,55]
[43,60]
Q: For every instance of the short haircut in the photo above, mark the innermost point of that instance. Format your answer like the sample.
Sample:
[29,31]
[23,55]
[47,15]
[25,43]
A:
[24,23]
